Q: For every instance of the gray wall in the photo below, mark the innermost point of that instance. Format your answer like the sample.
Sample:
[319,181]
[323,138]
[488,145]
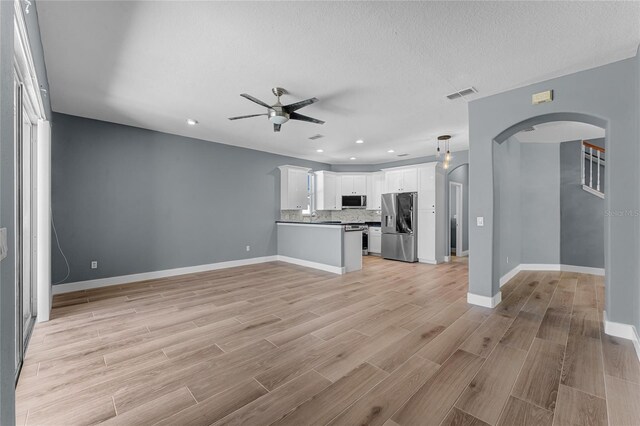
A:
[7,205]
[540,202]
[581,213]
[606,96]
[294,241]
[507,190]
[137,200]
[461,175]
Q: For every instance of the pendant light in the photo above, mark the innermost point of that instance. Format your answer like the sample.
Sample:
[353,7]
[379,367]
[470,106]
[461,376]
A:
[447,158]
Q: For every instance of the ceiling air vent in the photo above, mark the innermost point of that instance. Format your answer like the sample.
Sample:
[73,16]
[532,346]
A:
[464,92]
[314,137]
[529,129]
[402,155]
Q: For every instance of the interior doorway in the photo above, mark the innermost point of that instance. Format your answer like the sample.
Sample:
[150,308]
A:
[456,217]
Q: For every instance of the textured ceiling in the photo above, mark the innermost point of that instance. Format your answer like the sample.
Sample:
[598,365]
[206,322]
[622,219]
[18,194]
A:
[560,131]
[381,70]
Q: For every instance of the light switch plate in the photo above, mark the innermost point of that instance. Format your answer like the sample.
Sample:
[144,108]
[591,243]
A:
[480,221]
[3,243]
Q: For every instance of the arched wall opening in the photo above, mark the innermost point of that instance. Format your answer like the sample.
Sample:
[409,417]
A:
[543,217]
[607,96]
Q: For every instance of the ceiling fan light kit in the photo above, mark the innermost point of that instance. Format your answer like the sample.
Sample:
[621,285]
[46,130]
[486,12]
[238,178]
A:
[279,114]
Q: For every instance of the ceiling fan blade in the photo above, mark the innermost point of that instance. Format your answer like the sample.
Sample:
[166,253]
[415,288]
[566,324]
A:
[256,100]
[296,116]
[296,106]
[276,127]
[246,116]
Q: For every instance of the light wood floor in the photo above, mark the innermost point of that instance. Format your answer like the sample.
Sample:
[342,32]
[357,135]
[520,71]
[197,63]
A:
[394,344]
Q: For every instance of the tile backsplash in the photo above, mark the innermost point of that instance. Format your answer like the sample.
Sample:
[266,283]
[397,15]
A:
[348,215]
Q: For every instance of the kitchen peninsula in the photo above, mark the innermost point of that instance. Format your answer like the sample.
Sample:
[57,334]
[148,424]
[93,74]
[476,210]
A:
[329,246]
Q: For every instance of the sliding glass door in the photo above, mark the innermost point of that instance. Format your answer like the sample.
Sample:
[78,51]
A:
[25,172]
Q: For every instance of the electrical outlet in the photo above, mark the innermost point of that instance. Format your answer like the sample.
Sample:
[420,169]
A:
[248,248]
[507,259]
[480,221]
[94,264]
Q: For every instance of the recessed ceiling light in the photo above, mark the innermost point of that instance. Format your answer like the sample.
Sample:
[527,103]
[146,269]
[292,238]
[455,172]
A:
[319,150]
[390,151]
[352,158]
[191,122]
[359,141]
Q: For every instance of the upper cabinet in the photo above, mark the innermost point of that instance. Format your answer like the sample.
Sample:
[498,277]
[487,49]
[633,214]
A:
[354,184]
[375,188]
[294,187]
[328,191]
[401,180]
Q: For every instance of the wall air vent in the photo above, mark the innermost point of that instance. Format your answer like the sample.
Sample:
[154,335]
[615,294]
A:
[318,136]
[462,93]
[402,155]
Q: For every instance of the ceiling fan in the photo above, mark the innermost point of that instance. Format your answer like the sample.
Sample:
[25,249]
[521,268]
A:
[279,114]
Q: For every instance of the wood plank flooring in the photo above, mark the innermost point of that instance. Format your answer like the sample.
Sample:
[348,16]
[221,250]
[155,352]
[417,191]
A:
[393,344]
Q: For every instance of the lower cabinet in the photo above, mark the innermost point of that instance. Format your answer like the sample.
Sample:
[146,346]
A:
[375,240]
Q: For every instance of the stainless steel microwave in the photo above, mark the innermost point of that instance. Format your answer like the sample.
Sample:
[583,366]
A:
[354,201]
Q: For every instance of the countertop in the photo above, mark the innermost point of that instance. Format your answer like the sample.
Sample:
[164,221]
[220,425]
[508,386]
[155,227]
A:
[333,223]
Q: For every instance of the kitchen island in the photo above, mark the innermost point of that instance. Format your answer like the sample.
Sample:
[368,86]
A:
[329,246]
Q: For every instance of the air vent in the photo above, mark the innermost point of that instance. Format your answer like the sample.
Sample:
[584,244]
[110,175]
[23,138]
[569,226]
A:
[464,92]
[318,136]
[529,129]
[402,155]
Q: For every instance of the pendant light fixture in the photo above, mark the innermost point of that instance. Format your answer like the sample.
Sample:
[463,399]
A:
[445,142]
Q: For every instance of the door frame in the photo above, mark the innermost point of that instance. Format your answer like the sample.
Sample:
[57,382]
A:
[455,190]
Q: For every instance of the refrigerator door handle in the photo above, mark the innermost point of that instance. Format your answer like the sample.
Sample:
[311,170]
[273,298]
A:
[388,221]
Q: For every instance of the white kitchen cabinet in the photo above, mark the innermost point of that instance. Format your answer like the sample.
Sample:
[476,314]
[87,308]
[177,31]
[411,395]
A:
[375,186]
[354,184]
[328,191]
[410,180]
[432,223]
[375,239]
[393,181]
[401,180]
[427,236]
[294,187]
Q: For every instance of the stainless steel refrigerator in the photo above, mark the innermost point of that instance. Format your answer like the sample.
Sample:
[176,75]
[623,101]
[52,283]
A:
[399,219]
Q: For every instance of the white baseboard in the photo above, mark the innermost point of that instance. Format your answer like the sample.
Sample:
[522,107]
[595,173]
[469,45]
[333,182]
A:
[624,331]
[127,279]
[431,262]
[487,302]
[507,277]
[549,267]
[463,253]
[315,265]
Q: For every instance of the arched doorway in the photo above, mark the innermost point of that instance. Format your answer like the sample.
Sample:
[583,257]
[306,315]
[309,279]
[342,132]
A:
[546,216]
